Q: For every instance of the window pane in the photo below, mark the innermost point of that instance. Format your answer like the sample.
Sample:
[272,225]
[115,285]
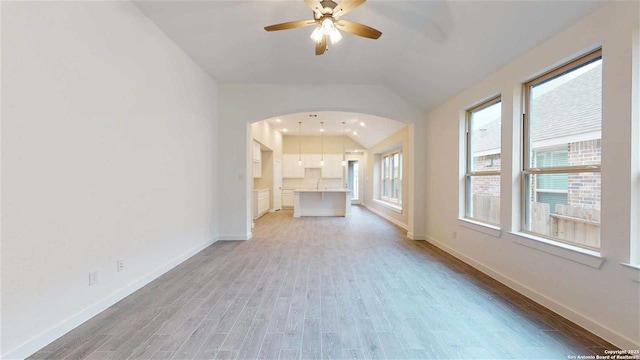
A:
[396,165]
[551,157]
[394,189]
[483,197]
[566,112]
[552,198]
[484,137]
[385,167]
[552,182]
[571,214]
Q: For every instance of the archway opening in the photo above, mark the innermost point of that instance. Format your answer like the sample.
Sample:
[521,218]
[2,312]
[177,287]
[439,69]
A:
[369,155]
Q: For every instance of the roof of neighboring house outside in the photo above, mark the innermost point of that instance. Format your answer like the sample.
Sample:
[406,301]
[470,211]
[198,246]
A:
[577,104]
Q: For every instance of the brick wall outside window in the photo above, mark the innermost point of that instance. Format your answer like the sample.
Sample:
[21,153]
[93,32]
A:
[486,185]
[584,188]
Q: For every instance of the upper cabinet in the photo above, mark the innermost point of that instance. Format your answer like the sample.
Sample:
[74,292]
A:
[312,160]
[257,160]
[257,154]
[290,167]
[332,168]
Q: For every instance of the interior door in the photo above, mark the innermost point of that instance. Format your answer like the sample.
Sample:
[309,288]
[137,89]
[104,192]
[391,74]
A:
[277,184]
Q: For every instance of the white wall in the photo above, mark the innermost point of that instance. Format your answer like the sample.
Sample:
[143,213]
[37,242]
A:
[265,134]
[398,140]
[604,300]
[108,152]
[242,104]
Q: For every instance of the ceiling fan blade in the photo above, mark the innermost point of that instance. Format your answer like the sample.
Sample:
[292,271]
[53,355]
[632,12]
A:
[290,25]
[315,6]
[321,47]
[345,6]
[358,29]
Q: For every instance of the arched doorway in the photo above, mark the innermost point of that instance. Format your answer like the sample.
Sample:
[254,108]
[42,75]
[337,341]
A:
[242,105]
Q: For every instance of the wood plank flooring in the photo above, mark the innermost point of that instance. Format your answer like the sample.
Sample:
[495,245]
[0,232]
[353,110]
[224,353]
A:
[325,288]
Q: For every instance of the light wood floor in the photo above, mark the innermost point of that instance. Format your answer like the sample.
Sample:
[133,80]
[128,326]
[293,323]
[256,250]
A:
[324,288]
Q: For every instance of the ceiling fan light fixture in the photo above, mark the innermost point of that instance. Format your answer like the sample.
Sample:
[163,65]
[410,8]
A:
[317,35]
[328,26]
[335,36]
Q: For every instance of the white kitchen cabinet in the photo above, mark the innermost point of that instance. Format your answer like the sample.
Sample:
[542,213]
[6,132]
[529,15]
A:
[333,168]
[290,167]
[287,198]
[260,202]
[257,154]
[257,170]
[257,160]
[312,160]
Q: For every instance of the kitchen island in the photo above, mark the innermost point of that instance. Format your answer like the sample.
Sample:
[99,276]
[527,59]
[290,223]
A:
[328,202]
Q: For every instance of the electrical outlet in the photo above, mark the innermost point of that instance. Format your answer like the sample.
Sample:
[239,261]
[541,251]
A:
[119,265]
[93,278]
[454,234]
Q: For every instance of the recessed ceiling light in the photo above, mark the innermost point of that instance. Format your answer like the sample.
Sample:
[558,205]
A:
[278,120]
[362,124]
[355,133]
[285,130]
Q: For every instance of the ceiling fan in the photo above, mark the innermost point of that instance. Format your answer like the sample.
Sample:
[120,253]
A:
[327,16]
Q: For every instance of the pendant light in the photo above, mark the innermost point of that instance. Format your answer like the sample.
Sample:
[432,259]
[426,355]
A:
[321,143]
[299,143]
[344,160]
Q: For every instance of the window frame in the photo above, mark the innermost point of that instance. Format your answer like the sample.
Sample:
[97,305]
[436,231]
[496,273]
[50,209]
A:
[469,159]
[389,171]
[526,169]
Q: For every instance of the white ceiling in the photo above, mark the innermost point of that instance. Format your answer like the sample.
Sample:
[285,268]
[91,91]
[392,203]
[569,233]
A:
[428,52]
[367,130]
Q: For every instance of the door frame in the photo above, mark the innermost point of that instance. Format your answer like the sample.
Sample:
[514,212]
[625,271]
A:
[277,189]
[360,159]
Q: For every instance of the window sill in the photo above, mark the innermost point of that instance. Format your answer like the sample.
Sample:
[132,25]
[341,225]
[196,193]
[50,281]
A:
[573,253]
[389,205]
[484,228]
[633,271]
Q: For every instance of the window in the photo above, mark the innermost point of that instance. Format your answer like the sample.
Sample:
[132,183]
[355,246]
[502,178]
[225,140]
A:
[552,188]
[562,153]
[482,181]
[391,172]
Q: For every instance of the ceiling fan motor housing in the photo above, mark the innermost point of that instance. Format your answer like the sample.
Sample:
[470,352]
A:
[328,4]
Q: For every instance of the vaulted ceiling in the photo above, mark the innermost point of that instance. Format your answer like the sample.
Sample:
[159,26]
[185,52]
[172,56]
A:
[429,50]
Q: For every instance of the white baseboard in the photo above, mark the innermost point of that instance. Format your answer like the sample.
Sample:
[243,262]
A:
[565,311]
[39,341]
[413,236]
[232,237]
[387,217]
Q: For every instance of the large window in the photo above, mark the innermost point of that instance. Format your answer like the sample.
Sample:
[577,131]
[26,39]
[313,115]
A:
[561,172]
[391,177]
[482,182]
